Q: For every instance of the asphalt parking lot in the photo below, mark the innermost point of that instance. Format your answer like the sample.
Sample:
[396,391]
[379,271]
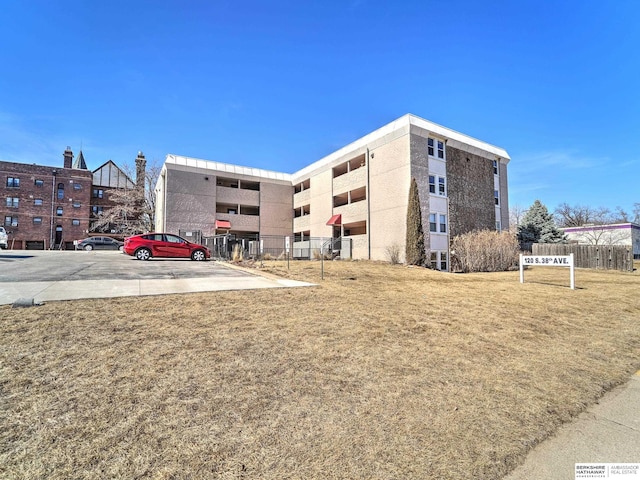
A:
[66,275]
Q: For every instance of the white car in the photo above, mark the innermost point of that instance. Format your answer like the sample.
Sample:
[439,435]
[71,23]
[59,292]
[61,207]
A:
[4,241]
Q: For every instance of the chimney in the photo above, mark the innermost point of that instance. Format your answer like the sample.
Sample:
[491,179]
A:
[141,167]
[68,158]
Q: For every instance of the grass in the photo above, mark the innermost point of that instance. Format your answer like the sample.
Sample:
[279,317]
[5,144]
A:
[380,371]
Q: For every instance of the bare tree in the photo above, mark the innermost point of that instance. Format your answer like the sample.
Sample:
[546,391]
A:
[516,213]
[578,215]
[636,212]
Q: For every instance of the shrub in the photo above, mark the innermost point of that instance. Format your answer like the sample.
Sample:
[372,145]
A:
[415,254]
[484,251]
[237,255]
[393,253]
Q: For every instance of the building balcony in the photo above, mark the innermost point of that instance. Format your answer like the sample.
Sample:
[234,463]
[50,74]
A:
[301,198]
[350,181]
[300,224]
[246,223]
[237,196]
[352,212]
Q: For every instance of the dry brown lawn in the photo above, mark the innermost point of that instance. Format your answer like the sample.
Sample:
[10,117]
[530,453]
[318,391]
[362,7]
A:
[379,372]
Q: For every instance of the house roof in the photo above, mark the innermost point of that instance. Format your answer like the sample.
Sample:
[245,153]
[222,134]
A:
[187,163]
[79,162]
[110,175]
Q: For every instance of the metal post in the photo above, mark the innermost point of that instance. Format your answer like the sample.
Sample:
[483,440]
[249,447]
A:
[521,270]
[573,273]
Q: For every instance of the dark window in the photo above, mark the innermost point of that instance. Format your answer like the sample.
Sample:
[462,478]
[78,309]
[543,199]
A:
[77,204]
[37,201]
[440,149]
[10,221]
[98,193]
[59,211]
[433,226]
[37,220]
[495,167]
[432,184]
[38,182]
[77,186]
[12,202]
[96,210]
[430,143]
[13,182]
[60,191]
[75,221]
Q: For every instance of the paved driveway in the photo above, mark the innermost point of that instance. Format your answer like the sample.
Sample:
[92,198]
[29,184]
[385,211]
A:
[66,275]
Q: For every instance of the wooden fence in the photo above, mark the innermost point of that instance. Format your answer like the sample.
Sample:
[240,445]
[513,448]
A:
[606,257]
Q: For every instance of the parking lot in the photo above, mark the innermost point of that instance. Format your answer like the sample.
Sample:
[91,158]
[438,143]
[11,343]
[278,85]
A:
[66,275]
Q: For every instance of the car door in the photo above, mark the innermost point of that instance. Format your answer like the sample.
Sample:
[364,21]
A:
[177,247]
[109,244]
[98,243]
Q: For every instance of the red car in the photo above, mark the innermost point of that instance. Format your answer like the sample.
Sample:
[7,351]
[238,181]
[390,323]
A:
[148,245]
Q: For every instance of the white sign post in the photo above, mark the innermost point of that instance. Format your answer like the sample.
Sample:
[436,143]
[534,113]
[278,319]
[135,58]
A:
[549,261]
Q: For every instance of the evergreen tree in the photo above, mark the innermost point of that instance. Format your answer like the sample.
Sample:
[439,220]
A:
[537,226]
[414,254]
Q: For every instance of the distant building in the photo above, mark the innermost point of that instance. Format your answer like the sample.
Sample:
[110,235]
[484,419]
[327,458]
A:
[45,207]
[359,193]
[626,234]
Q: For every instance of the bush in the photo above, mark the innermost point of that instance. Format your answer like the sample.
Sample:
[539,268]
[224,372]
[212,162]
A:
[237,255]
[484,251]
[393,253]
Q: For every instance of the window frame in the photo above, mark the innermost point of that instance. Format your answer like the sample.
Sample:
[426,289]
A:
[59,211]
[13,182]
[13,202]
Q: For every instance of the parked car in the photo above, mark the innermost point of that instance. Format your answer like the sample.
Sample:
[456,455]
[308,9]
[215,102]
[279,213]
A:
[4,240]
[149,245]
[100,243]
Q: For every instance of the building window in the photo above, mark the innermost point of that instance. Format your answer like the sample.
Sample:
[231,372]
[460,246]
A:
[438,260]
[433,226]
[75,222]
[98,193]
[38,182]
[441,189]
[37,220]
[77,204]
[495,167]
[77,186]
[10,221]
[498,227]
[443,224]
[496,196]
[60,191]
[37,202]
[443,261]
[231,211]
[96,210]
[59,211]
[430,143]
[440,149]
[12,202]
[13,182]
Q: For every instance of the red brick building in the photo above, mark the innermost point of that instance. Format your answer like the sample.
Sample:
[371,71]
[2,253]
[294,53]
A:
[49,207]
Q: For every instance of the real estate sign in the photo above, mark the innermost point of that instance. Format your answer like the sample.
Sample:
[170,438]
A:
[548,261]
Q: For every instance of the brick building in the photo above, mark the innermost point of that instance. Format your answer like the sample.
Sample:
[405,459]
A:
[49,207]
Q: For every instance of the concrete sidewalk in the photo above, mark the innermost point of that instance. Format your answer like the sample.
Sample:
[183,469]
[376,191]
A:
[608,432]
[73,290]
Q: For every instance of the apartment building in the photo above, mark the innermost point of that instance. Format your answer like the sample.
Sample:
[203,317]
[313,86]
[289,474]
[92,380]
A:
[46,207]
[359,193]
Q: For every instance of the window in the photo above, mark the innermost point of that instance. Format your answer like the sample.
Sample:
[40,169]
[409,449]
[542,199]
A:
[231,211]
[98,193]
[442,185]
[37,220]
[442,189]
[77,186]
[60,191]
[12,202]
[38,183]
[96,210]
[75,222]
[496,196]
[433,226]
[59,211]
[443,261]
[10,221]
[77,204]
[37,202]
[495,167]
[13,182]
[433,260]
[430,144]
[438,260]
[440,149]
[443,224]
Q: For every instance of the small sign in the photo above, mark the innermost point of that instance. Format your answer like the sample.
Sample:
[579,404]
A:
[287,244]
[548,261]
[627,471]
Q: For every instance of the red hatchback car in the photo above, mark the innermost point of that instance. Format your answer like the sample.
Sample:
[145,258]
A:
[148,245]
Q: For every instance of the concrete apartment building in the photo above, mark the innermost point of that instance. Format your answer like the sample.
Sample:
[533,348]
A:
[359,193]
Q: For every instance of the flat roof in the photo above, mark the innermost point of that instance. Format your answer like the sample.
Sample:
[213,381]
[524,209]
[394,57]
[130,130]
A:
[197,163]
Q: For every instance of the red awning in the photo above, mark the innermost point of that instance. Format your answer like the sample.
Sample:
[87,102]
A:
[335,220]
[223,224]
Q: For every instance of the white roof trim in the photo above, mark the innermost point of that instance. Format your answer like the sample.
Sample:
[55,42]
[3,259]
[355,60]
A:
[200,164]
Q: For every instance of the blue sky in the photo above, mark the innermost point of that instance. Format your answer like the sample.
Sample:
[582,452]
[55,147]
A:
[279,84]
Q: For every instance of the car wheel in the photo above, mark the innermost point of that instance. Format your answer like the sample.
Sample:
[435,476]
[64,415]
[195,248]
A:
[143,254]
[198,256]
[88,248]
